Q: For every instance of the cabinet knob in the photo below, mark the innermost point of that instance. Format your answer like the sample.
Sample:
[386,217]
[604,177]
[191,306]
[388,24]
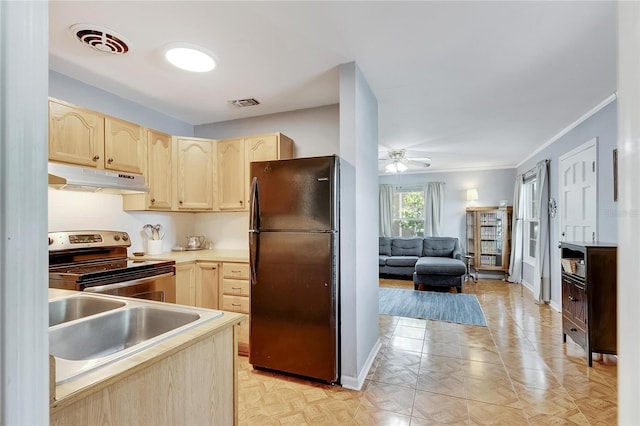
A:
[241,202]
[110,160]
[180,202]
[574,329]
[213,268]
[153,201]
[96,158]
[573,299]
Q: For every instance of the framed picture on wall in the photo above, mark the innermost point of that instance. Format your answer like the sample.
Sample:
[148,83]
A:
[615,174]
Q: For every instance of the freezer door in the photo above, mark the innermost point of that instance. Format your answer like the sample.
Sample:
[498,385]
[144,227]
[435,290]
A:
[293,326]
[297,194]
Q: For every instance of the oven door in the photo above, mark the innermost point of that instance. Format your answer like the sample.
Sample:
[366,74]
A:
[161,288]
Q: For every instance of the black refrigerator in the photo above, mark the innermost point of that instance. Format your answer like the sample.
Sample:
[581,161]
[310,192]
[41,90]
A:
[294,270]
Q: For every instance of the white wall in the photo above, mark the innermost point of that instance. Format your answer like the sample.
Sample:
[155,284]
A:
[71,210]
[227,230]
[24,338]
[603,126]
[359,224]
[315,131]
[629,222]
[492,185]
[76,92]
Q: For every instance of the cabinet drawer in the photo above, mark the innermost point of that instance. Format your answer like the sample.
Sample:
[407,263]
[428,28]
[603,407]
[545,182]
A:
[235,303]
[575,332]
[235,287]
[235,270]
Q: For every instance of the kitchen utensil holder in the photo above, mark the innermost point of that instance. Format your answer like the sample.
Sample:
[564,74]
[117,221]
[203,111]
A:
[154,246]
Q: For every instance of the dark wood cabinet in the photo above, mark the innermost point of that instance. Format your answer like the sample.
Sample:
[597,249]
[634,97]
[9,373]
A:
[589,287]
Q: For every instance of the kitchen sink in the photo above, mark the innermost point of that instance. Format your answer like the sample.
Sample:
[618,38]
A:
[123,328]
[73,308]
[102,336]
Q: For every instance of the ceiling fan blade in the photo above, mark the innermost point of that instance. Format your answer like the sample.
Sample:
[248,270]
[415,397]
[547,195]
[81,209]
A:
[418,162]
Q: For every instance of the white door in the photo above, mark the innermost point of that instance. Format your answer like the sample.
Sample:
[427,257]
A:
[578,191]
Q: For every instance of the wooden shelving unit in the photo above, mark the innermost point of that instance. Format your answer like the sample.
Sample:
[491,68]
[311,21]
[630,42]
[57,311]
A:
[489,238]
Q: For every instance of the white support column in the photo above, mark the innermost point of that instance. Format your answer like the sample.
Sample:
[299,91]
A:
[629,212]
[24,343]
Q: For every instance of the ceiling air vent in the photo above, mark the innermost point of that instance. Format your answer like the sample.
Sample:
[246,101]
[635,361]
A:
[100,38]
[242,103]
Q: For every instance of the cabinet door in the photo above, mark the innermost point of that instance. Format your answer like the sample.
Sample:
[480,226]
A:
[231,174]
[195,174]
[262,148]
[76,135]
[207,285]
[159,170]
[185,284]
[124,146]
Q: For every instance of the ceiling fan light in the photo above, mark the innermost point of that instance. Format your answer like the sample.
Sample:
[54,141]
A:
[401,167]
[391,168]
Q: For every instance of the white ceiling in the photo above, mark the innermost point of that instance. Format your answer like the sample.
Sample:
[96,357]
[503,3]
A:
[478,84]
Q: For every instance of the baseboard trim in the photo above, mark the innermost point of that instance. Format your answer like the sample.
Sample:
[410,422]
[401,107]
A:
[527,286]
[356,383]
[554,305]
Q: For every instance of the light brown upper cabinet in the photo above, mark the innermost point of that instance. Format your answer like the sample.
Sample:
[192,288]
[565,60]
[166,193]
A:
[194,167]
[86,138]
[124,146]
[234,159]
[231,166]
[76,135]
[271,146]
[158,174]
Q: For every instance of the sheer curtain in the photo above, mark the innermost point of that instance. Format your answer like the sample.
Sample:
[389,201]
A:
[517,232]
[386,215]
[541,275]
[433,206]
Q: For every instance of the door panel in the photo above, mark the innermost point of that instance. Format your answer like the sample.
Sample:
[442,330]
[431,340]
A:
[294,305]
[578,194]
[296,194]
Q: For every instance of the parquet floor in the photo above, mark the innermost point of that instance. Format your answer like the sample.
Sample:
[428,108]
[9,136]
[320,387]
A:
[516,371]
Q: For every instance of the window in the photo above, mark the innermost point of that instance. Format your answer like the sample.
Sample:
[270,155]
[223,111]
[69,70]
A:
[408,211]
[531,220]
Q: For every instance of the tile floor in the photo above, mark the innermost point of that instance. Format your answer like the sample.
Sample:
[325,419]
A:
[516,371]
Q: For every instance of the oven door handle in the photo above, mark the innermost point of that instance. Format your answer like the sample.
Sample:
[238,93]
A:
[108,287]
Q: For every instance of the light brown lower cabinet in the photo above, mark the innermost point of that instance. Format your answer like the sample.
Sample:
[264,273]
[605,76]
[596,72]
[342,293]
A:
[196,385]
[234,297]
[186,284]
[207,285]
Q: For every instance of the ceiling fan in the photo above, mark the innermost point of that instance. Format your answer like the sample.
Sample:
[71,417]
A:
[401,160]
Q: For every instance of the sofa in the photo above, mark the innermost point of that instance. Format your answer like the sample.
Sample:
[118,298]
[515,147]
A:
[432,261]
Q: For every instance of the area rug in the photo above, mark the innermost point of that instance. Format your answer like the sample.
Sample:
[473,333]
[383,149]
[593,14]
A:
[459,308]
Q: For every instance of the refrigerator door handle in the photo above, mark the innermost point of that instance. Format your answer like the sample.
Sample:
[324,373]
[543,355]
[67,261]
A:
[254,230]
[254,243]
[254,207]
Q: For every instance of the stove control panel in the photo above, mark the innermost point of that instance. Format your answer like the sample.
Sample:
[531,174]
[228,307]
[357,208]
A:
[86,238]
[69,240]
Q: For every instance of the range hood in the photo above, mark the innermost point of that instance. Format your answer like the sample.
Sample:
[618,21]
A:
[76,178]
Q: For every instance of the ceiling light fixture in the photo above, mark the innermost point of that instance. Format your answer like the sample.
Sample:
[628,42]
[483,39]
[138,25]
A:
[190,58]
[395,167]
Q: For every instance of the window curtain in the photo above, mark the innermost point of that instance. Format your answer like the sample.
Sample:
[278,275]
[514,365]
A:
[541,275]
[433,206]
[517,232]
[386,205]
